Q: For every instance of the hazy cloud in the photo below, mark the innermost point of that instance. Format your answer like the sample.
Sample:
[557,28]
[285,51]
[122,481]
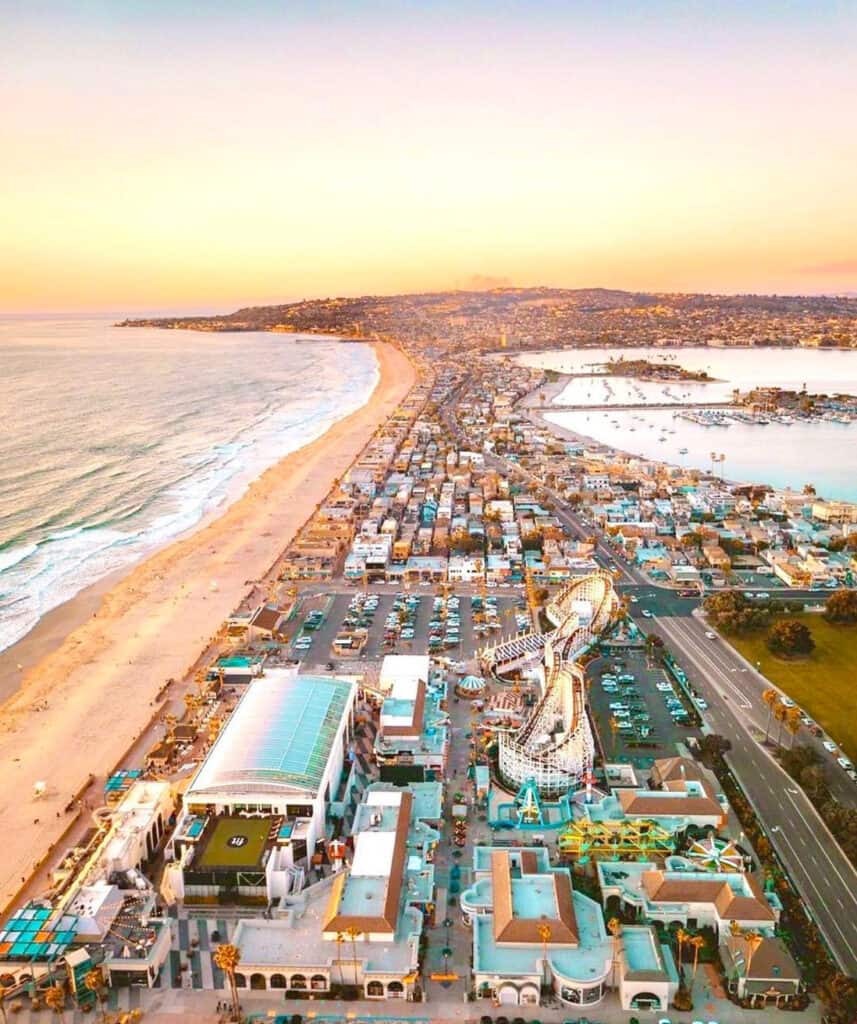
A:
[842,267]
[485,282]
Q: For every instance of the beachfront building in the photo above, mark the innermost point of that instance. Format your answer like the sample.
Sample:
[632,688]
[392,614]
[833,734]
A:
[530,929]
[766,975]
[682,893]
[359,929]
[256,809]
[413,734]
[533,932]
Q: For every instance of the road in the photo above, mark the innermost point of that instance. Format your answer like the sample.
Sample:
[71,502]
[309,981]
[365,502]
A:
[743,686]
[818,868]
[816,865]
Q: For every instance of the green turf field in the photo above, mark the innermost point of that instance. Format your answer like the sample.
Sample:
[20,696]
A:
[824,684]
[221,849]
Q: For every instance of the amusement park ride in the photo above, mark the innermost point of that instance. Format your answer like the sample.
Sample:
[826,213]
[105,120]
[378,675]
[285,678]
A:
[579,837]
[554,747]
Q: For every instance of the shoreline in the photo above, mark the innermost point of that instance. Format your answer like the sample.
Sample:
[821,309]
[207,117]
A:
[84,703]
[536,405]
[47,632]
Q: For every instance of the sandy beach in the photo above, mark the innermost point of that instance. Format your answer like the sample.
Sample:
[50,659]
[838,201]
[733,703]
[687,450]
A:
[82,705]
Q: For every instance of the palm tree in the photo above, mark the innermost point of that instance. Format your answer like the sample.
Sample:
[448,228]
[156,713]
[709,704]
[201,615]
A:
[681,936]
[614,926]
[3,1004]
[771,698]
[94,982]
[793,723]
[780,713]
[227,957]
[340,938]
[55,999]
[545,936]
[697,941]
[352,934]
[753,940]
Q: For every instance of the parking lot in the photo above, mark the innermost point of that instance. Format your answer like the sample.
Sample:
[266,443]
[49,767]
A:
[411,622]
[647,721]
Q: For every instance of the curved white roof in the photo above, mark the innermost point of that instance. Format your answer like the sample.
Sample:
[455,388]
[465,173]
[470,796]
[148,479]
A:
[278,739]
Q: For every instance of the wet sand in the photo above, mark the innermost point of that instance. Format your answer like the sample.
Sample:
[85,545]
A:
[82,705]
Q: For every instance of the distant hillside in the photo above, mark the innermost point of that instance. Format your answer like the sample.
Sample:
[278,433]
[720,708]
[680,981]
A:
[533,317]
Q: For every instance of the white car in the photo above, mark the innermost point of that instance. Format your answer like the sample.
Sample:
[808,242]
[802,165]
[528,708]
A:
[665,687]
[788,702]
[843,762]
[830,746]
[647,614]
[634,599]
[710,635]
[700,703]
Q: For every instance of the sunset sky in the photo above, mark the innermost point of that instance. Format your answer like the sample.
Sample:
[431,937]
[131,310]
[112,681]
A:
[190,156]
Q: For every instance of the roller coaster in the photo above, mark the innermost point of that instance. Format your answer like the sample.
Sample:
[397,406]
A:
[554,746]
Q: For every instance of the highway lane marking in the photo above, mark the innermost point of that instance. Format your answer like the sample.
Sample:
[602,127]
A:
[798,866]
[686,633]
[849,887]
[849,945]
[703,661]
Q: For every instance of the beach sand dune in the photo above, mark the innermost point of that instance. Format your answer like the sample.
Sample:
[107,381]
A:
[81,707]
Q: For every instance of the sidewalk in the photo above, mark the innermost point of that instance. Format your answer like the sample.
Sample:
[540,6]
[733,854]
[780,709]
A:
[192,1005]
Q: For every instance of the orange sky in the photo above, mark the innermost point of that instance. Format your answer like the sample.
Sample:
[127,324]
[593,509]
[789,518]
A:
[162,159]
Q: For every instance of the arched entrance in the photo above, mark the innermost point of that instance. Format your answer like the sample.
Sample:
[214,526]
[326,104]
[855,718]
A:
[646,1001]
[396,990]
[257,981]
[240,981]
[298,981]
[318,982]
[507,995]
[375,989]
[529,995]
[278,981]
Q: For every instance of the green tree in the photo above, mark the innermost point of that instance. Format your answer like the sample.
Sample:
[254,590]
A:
[789,638]
[712,748]
[730,611]
[841,606]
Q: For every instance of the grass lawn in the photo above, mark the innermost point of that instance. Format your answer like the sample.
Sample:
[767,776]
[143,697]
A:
[824,684]
[236,842]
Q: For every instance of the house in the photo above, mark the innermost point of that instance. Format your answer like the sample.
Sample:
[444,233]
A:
[766,976]
[681,893]
[265,623]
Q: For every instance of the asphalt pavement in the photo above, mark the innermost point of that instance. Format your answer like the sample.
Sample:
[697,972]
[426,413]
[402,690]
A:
[816,865]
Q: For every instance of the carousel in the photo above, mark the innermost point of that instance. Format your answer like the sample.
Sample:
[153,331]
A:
[713,854]
[470,687]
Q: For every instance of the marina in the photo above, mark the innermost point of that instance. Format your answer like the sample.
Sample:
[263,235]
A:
[695,425]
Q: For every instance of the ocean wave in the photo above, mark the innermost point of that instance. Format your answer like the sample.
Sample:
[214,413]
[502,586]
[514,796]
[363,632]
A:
[135,496]
[12,556]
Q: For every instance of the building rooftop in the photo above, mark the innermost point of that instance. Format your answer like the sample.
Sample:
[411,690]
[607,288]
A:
[366,896]
[279,737]
[735,896]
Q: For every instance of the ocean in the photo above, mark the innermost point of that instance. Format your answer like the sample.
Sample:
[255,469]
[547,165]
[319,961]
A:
[820,453]
[114,441]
